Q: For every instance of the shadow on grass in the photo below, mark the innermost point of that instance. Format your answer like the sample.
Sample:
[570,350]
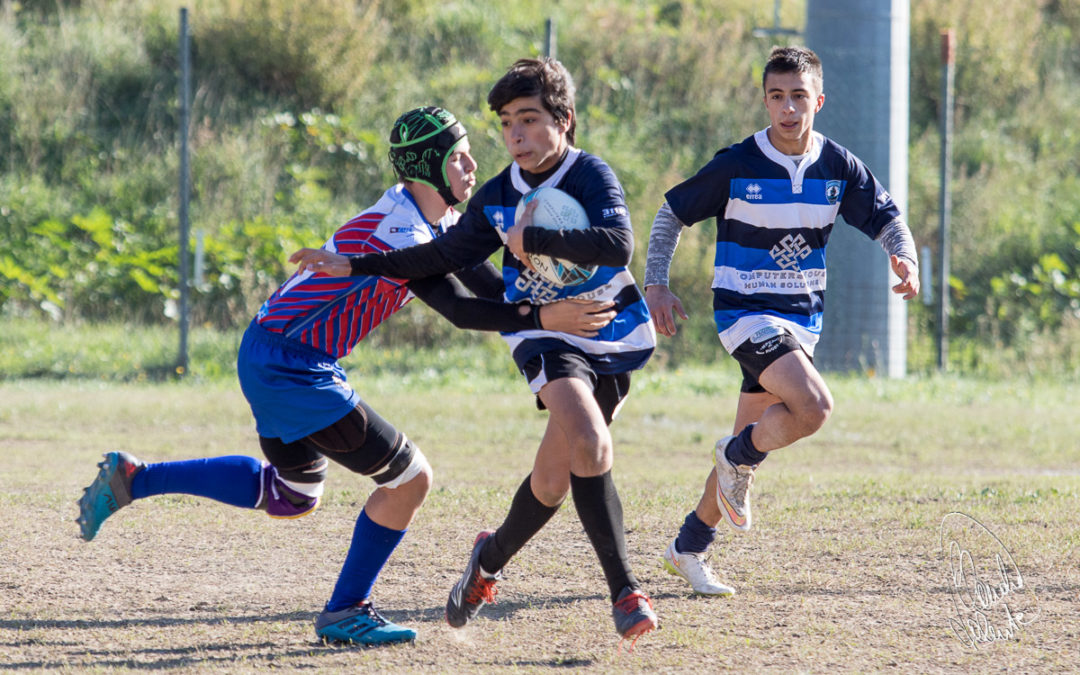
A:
[68,624]
[156,658]
[503,609]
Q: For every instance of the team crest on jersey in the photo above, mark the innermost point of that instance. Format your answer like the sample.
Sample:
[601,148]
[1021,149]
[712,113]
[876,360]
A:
[832,191]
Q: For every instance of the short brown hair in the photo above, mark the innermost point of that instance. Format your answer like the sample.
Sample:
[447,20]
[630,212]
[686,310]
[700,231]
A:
[544,77]
[794,60]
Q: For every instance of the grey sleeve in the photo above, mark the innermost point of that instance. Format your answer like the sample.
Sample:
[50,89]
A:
[664,237]
[895,238]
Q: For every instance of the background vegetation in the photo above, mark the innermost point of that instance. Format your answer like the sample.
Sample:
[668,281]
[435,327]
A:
[292,103]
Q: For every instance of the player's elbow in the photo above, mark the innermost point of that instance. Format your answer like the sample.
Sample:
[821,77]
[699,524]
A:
[457,319]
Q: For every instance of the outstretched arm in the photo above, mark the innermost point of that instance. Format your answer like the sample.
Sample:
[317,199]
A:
[447,296]
[468,243]
[414,262]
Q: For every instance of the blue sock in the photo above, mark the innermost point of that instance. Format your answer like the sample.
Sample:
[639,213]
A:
[233,479]
[694,535]
[741,450]
[372,544]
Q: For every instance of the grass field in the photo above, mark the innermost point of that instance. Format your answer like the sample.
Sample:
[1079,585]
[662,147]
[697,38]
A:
[845,569]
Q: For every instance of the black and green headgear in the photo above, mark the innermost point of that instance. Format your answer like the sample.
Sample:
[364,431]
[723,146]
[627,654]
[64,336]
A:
[421,142]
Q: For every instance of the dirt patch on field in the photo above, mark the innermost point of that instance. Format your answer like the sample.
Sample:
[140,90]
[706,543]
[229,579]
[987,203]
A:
[843,572]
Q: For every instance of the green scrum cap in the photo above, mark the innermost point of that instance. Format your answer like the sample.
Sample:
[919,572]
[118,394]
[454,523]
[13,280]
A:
[421,142]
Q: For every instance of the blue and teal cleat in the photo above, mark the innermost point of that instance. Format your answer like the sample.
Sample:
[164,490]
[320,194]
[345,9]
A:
[110,491]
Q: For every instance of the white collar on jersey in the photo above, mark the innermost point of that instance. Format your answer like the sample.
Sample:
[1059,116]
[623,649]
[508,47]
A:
[796,170]
[521,186]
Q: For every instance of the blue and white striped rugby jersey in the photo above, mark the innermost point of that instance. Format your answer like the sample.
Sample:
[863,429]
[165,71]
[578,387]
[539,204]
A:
[623,345]
[773,220]
[628,341]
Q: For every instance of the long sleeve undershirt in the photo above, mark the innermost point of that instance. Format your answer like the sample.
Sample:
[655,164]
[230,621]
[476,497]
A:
[447,295]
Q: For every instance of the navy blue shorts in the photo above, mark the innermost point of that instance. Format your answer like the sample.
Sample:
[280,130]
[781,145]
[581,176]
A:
[760,352]
[294,390]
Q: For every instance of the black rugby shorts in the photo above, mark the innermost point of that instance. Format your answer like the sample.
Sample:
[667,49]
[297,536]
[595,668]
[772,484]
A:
[760,352]
[608,390]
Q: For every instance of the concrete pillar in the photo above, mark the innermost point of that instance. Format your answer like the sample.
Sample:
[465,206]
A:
[863,45]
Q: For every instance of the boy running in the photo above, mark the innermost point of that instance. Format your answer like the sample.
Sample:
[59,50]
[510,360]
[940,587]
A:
[580,381]
[775,197]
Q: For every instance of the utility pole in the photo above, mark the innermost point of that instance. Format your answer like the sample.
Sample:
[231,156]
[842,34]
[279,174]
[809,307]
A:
[185,187]
[948,58]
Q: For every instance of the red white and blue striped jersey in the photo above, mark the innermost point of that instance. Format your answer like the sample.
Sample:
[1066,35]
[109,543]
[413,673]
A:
[332,314]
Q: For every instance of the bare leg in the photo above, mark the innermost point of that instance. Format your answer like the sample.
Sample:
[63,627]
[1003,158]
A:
[796,403]
[750,409]
[396,508]
[804,406]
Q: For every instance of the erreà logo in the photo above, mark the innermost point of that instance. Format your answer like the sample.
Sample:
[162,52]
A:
[753,191]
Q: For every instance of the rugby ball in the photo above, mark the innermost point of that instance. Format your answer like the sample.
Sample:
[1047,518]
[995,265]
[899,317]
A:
[556,210]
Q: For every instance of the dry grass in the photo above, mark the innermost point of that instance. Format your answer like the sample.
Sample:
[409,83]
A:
[842,572]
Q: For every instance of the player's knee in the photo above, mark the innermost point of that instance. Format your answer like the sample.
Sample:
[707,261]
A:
[291,493]
[592,451]
[550,489]
[420,484]
[815,412]
[405,464]
[826,407]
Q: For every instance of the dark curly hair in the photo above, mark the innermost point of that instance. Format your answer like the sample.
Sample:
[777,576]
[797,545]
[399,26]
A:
[544,77]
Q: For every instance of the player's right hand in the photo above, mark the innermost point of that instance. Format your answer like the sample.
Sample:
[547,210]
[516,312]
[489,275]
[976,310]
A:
[321,261]
[515,236]
[583,318]
[663,305]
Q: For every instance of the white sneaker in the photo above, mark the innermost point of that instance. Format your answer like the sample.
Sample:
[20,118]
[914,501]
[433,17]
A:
[695,568]
[733,488]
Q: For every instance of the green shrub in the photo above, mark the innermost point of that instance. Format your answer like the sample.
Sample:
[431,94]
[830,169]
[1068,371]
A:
[292,104]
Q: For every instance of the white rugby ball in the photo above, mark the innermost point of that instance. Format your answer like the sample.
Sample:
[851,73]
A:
[556,210]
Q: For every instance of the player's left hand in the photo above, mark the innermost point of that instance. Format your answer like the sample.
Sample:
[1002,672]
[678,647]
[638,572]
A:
[515,236]
[909,277]
[321,261]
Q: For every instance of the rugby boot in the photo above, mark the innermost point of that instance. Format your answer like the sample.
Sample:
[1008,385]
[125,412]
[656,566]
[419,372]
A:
[110,491]
[633,614]
[733,488]
[695,569]
[473,590]
[361,624]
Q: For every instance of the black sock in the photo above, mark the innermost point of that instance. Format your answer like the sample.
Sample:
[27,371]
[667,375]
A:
[741,449]
[526,517]
[601,515]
